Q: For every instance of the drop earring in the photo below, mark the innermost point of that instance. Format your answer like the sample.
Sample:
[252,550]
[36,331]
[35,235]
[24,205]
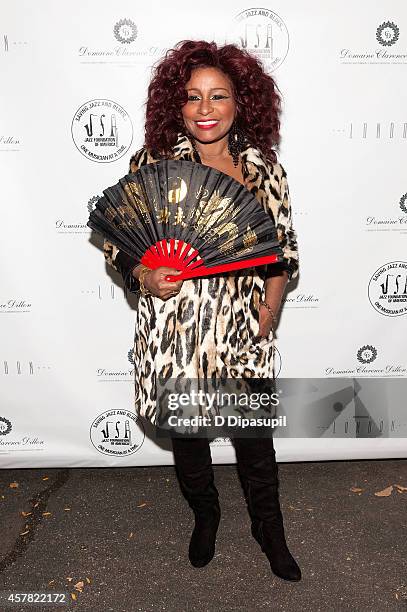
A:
[235,142]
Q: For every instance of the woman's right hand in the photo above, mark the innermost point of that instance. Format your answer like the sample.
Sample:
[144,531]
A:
[154,281]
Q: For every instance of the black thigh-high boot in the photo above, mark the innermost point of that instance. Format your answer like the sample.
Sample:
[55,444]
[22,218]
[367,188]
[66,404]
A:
[258,471]
[193,463]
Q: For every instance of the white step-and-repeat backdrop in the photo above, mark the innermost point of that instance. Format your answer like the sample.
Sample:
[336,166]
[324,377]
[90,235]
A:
[67,325]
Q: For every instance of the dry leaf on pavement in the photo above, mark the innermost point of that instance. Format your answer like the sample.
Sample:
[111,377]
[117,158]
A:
[385,492]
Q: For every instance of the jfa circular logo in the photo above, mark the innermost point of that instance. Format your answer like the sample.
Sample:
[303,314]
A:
[102,130]
[388,289]
[115,433]
[263,33]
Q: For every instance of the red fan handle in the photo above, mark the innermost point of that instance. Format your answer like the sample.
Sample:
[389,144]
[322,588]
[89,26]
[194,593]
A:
[177,257]
[234,265]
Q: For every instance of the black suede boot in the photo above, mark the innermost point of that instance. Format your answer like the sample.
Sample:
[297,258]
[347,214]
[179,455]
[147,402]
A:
[195,473]
[258,470]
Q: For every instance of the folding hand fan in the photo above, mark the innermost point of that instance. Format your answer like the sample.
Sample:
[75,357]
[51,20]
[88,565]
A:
[188,216]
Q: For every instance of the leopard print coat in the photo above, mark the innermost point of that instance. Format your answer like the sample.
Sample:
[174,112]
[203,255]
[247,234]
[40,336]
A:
[206,330]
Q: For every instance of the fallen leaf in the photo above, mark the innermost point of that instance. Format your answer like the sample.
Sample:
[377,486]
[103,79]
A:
[141,505]
[79,586]
[356,489]
[46,513]
[13,485]
[400,488]
[36,504]
[66,508]
[385,492]
[73,595]
[46,478]
[26,513]
[25,532]
[88,580]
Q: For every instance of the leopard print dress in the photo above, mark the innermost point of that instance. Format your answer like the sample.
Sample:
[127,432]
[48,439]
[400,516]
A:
[206,330]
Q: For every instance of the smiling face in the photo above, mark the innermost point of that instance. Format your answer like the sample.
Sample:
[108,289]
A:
[210,109]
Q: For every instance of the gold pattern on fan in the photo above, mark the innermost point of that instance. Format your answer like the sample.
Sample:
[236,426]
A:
[249,240]
[129,214]
[135,196]
[110,213]
[179,215]
[217,211]
[177,191]
[164,215]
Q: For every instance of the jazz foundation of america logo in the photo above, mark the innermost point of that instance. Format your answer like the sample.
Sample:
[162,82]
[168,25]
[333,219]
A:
[117,433]
[102,130]
[388,50]
[387,289]
[393,223]
[263,33]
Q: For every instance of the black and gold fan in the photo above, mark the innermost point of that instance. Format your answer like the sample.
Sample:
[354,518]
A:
[188,216]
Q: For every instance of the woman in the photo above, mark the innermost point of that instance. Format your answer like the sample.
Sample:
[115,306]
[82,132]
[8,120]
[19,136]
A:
[215,106]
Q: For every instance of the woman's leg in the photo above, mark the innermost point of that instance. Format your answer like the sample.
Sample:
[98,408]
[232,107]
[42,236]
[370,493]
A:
[258,469]
[193,463]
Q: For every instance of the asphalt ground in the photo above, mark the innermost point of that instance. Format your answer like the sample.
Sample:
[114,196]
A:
[117,540]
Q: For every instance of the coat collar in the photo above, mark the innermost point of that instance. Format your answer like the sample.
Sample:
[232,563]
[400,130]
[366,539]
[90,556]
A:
[254,164]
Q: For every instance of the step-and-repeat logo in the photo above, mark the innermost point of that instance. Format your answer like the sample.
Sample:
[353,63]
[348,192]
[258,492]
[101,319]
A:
[263,33]
[9,44]
[9,442]
[15,305]
[119,46]
[72,226]
[301,300]
[125,31]
[388,289]
[5,426]
[378,131]
[102,130]
[387,35]
[396,223]
[16,367]
[366,354]
[369,362]
[117,433]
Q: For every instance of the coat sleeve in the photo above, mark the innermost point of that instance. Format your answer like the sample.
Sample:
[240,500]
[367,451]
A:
[285,231]
[119,260]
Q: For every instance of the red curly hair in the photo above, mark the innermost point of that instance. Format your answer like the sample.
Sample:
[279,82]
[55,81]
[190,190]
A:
[255,92]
